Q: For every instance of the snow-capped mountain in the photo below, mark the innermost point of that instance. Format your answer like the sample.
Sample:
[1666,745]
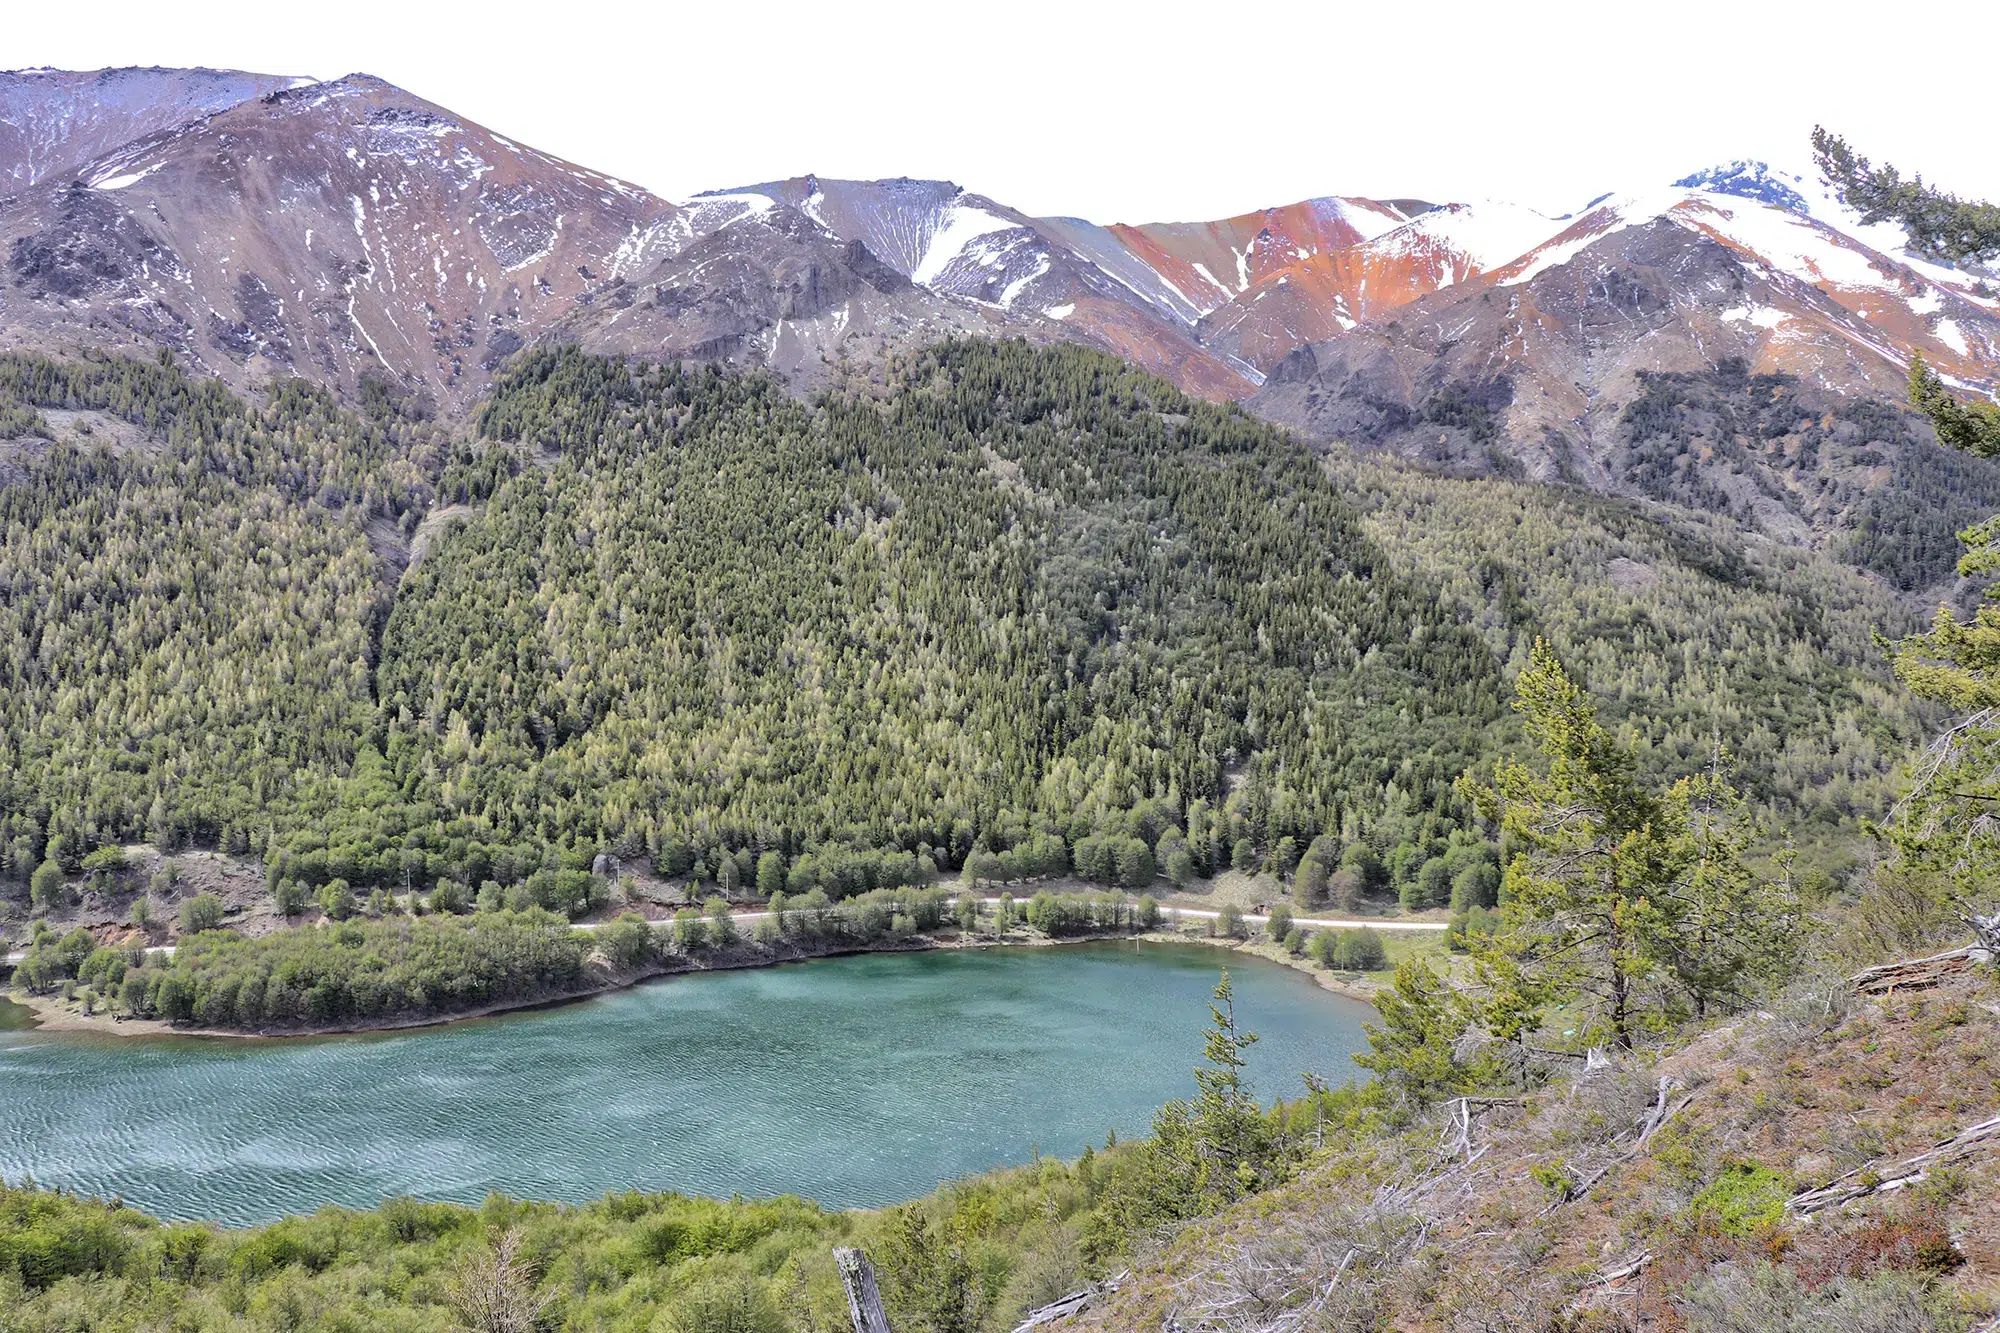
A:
[348,230]
[1744,262]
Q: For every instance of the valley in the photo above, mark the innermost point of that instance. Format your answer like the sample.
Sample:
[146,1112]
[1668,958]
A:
[465,617]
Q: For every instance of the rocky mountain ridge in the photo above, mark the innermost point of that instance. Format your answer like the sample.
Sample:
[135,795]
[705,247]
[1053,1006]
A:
[355,234]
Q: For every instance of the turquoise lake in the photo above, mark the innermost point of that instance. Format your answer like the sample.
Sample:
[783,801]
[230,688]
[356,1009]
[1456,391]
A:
[854,1081]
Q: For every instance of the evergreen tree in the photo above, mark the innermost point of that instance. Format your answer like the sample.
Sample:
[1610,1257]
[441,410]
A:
[1622,902]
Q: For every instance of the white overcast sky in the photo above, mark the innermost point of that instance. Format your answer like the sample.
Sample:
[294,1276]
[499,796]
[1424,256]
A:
[1129,112]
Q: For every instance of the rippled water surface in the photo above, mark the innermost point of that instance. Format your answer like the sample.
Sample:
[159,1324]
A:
[856,1081]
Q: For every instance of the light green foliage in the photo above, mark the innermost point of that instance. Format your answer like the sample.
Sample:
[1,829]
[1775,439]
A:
[1057,914]
[109,859]
[186,634]
[46,887]
[690,932]
[1312,883]
[721,925]
[1359,950]
[359,970]
[1944,826]
[770,875]
[628,942]
[1625,903]
[1747,1197]
[1415,1049]
[1280,923]
[336,899]
[1698,632]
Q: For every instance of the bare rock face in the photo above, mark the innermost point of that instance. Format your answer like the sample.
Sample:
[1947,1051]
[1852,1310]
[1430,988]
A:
[1665,360]
[342,231]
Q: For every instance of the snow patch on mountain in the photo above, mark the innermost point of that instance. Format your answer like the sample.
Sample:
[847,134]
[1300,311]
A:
[125,180]
[1489,234]
[963,225]
[1762,316]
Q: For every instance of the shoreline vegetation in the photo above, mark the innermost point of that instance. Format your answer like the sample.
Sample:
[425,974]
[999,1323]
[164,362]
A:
[134,993]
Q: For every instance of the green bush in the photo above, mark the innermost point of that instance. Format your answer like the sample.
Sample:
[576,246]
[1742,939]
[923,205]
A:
[1359,950]
[1229,922]
[1280,923]
[107,859]
[46,887]
[201,912]
[1747,1197]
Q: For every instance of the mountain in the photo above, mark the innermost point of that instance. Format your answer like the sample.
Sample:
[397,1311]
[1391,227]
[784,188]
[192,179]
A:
[344,231]
[354,234]
[349,231]
[53,121]
[1723,345]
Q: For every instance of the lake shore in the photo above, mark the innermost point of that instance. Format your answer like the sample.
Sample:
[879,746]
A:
[52,1013]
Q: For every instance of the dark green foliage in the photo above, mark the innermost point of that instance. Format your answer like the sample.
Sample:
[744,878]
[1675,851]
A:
[1018,616]
[1728,442]
[1940,225]
[752,638]
[1907,531]
[1969,425]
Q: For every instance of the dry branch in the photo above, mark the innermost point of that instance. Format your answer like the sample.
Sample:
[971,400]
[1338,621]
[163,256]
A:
[1459,1112]
[1604,1283]
[1076,1303]
[1865,1180]
[1920,973]
[1662,1111]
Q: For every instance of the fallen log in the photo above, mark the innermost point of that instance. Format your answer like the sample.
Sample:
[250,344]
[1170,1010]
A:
[1920,973]
[1055,1311]
[1076,1303]
[1865,1180]
[1604,1284]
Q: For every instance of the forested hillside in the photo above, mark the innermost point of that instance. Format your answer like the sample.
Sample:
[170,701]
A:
[1690,632]
[1015,601]
[1032,589]
[185,635]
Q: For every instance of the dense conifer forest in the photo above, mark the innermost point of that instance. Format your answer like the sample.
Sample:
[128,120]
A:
[1025,607]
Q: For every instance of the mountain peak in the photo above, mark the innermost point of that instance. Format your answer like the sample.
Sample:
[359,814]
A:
[1749,179]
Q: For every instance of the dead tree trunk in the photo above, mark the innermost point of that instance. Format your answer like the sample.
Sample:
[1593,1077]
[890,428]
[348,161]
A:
[1974,1139]
[864,1302]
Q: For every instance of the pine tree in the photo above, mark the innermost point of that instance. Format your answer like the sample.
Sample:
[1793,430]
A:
[1625,903]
